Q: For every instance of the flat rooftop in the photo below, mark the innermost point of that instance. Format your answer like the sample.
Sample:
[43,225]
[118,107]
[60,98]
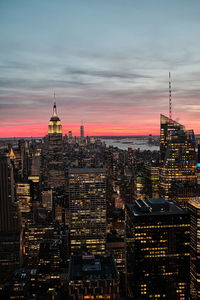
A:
[155,206]
[92,267]
[86,170]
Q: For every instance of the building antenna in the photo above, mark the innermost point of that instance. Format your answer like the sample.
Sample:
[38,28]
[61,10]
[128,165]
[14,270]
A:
[170,98]
[54,106]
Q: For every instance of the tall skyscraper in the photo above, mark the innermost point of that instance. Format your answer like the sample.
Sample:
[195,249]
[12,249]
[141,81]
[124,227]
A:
[157,250]
[10,229]
[177,157]
[9,212]
[56,174]
[87,196]
[194,209]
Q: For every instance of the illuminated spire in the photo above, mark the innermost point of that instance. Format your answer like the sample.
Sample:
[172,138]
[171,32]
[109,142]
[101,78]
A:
[54,107]
[12,155]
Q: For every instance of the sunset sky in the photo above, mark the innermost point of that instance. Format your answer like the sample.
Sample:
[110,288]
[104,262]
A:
[106,60]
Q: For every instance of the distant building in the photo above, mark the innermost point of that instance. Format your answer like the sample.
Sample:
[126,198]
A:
[93,277]
[157,250]
[87,197]
[82,131]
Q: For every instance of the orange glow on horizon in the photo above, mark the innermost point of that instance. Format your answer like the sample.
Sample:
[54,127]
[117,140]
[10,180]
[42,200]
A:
[90,130]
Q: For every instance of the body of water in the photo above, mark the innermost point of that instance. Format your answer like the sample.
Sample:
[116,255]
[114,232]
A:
[124,144]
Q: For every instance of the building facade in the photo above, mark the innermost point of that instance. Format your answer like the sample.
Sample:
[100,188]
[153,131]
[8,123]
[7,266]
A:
[157,250]
[194,209]
[87,198]
[177,158]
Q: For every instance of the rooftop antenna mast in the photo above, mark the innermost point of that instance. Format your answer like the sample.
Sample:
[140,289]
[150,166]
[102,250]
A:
[170,98]
[54,106]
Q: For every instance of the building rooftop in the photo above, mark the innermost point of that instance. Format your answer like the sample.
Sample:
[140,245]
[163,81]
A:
[86,170]
[92,267]
[155,206]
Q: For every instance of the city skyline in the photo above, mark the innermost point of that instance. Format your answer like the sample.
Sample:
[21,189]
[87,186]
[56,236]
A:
[107,62]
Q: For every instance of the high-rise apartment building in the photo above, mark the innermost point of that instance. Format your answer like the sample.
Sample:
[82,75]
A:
[194,209]
[56,174]
[177,157]
[157,250]
[87,196]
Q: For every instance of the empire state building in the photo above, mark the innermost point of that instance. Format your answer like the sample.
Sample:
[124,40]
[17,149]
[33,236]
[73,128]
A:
[56,174]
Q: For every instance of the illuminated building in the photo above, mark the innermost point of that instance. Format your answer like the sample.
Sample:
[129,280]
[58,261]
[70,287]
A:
[194,209]
[167,127]
[198,172]
[177,157]
[157,250]
[34,233]
[87,196]
[93,277]
[151,180]
[23,195]
[139,187]
[56,174]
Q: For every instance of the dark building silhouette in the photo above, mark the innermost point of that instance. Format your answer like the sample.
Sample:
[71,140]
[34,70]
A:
[157,250]
[10,229]
[93,277]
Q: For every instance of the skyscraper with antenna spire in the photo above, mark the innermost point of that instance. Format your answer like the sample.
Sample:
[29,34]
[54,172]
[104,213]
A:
[170,98]
[56,174]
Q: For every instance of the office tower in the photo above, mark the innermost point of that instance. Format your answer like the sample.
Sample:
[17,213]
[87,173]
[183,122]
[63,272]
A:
[151,180]
[56,174]
[10,229]
[87,197]
[167,127]
[194,209]
[177,157]
[93,277]
[157,250]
